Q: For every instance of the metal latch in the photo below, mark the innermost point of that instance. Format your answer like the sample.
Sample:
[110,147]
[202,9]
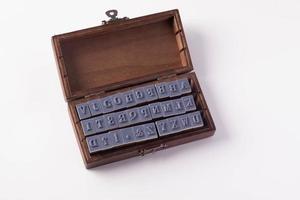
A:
[112,14]
[143,152]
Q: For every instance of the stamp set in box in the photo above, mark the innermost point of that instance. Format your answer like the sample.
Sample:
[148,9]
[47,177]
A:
[130,88]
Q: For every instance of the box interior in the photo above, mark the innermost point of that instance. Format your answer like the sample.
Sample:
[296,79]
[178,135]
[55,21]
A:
[119,56]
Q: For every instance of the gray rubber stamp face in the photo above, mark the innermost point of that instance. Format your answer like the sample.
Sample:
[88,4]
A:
[139,95]
[162,127]
[144,113]
[83,111]
[161,89]
[116,138]
[150,93]
[184,86]
[150,130]
[139,133]
[107,104]
[100,142]
[185,122]
[127,134]
[167,108]
[88,127]
[156,110]
[196,119]
[174,125]
[178,106]
[122,118]
[93,143]
[173,89]
[105,141]
[99,124]
[189,103]
[95,107]
[133,116]
[129,99]
[117,101]
[110,121]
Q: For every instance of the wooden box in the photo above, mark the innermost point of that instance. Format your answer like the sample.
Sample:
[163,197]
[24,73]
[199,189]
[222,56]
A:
[123,54]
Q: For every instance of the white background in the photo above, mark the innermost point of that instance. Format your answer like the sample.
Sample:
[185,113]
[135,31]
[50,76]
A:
[247,57]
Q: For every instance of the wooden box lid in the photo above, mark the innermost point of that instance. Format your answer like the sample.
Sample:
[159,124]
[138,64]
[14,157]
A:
[121,53]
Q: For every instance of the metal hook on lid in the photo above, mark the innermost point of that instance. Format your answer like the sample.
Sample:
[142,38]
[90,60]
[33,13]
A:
[112,14]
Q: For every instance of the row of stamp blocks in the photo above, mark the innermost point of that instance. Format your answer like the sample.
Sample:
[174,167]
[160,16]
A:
[133,97]
[138,115]
[120,128]
[148,131]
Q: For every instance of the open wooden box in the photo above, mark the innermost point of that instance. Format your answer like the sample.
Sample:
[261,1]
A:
[122,55]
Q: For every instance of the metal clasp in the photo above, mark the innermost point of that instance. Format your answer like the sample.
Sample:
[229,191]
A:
[143,152]
[112,14]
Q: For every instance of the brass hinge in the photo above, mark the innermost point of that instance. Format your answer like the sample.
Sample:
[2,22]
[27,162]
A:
[113,17]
